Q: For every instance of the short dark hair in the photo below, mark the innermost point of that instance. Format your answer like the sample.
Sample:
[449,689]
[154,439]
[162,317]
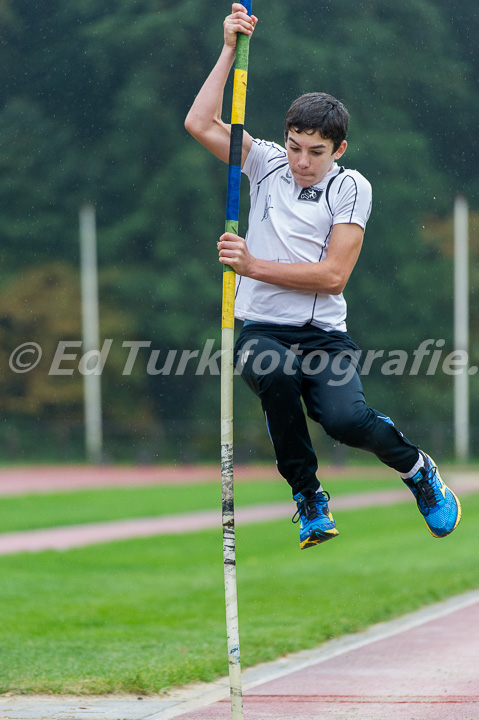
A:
[320,112]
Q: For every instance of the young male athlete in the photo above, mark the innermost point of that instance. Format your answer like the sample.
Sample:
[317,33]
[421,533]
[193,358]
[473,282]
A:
[306,226]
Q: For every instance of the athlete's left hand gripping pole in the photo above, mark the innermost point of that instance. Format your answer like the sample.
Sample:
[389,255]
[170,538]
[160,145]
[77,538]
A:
[227,346]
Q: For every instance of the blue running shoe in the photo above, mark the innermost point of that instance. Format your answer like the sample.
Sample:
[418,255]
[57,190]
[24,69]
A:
[437,503]
[316,524]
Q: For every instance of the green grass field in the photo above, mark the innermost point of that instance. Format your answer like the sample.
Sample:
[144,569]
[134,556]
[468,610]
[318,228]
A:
[144,615]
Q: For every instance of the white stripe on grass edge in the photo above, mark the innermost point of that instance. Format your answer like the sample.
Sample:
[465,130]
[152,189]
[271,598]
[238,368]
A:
[200,695]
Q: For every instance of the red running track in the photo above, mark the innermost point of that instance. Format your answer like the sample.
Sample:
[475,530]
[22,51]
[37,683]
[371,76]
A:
[429,672]
[46,478]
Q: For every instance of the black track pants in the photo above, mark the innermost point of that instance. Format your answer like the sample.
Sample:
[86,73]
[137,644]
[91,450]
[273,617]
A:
[283,364]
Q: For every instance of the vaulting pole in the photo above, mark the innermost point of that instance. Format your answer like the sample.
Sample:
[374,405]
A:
[227,345]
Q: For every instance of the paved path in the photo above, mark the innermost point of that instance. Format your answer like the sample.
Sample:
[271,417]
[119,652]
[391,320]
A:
[423,666]
[64,538]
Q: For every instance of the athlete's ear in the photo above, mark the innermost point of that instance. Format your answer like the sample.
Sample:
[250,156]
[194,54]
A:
[341,150]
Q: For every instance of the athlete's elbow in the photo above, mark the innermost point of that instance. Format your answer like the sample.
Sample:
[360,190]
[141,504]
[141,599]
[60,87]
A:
[335,290]
[335,284]
[191,125]
[203,129]
[196,124]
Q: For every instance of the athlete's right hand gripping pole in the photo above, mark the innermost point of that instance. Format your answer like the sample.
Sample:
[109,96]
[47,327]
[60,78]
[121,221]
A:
[227,348]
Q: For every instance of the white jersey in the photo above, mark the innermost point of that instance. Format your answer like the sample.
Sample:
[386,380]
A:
[290,224]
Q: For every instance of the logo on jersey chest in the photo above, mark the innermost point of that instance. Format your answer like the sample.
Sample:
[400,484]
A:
[310,195]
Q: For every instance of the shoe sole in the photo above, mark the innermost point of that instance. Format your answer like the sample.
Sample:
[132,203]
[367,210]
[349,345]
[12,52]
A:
[458,519]
[316,538]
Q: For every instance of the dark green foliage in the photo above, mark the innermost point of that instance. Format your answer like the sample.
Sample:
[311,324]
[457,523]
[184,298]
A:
[93,99]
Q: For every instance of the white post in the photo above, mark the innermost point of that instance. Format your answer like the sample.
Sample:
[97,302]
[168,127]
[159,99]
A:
[461,326]
[91,332]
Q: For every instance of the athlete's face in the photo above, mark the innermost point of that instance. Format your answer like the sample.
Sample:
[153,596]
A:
[310,156]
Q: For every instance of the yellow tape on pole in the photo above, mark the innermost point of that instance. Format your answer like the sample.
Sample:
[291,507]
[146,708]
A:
[239,97]
[228,310]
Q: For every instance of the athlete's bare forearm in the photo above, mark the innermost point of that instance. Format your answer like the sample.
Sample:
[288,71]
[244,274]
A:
[328,276]
[304,276]
[308,277]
